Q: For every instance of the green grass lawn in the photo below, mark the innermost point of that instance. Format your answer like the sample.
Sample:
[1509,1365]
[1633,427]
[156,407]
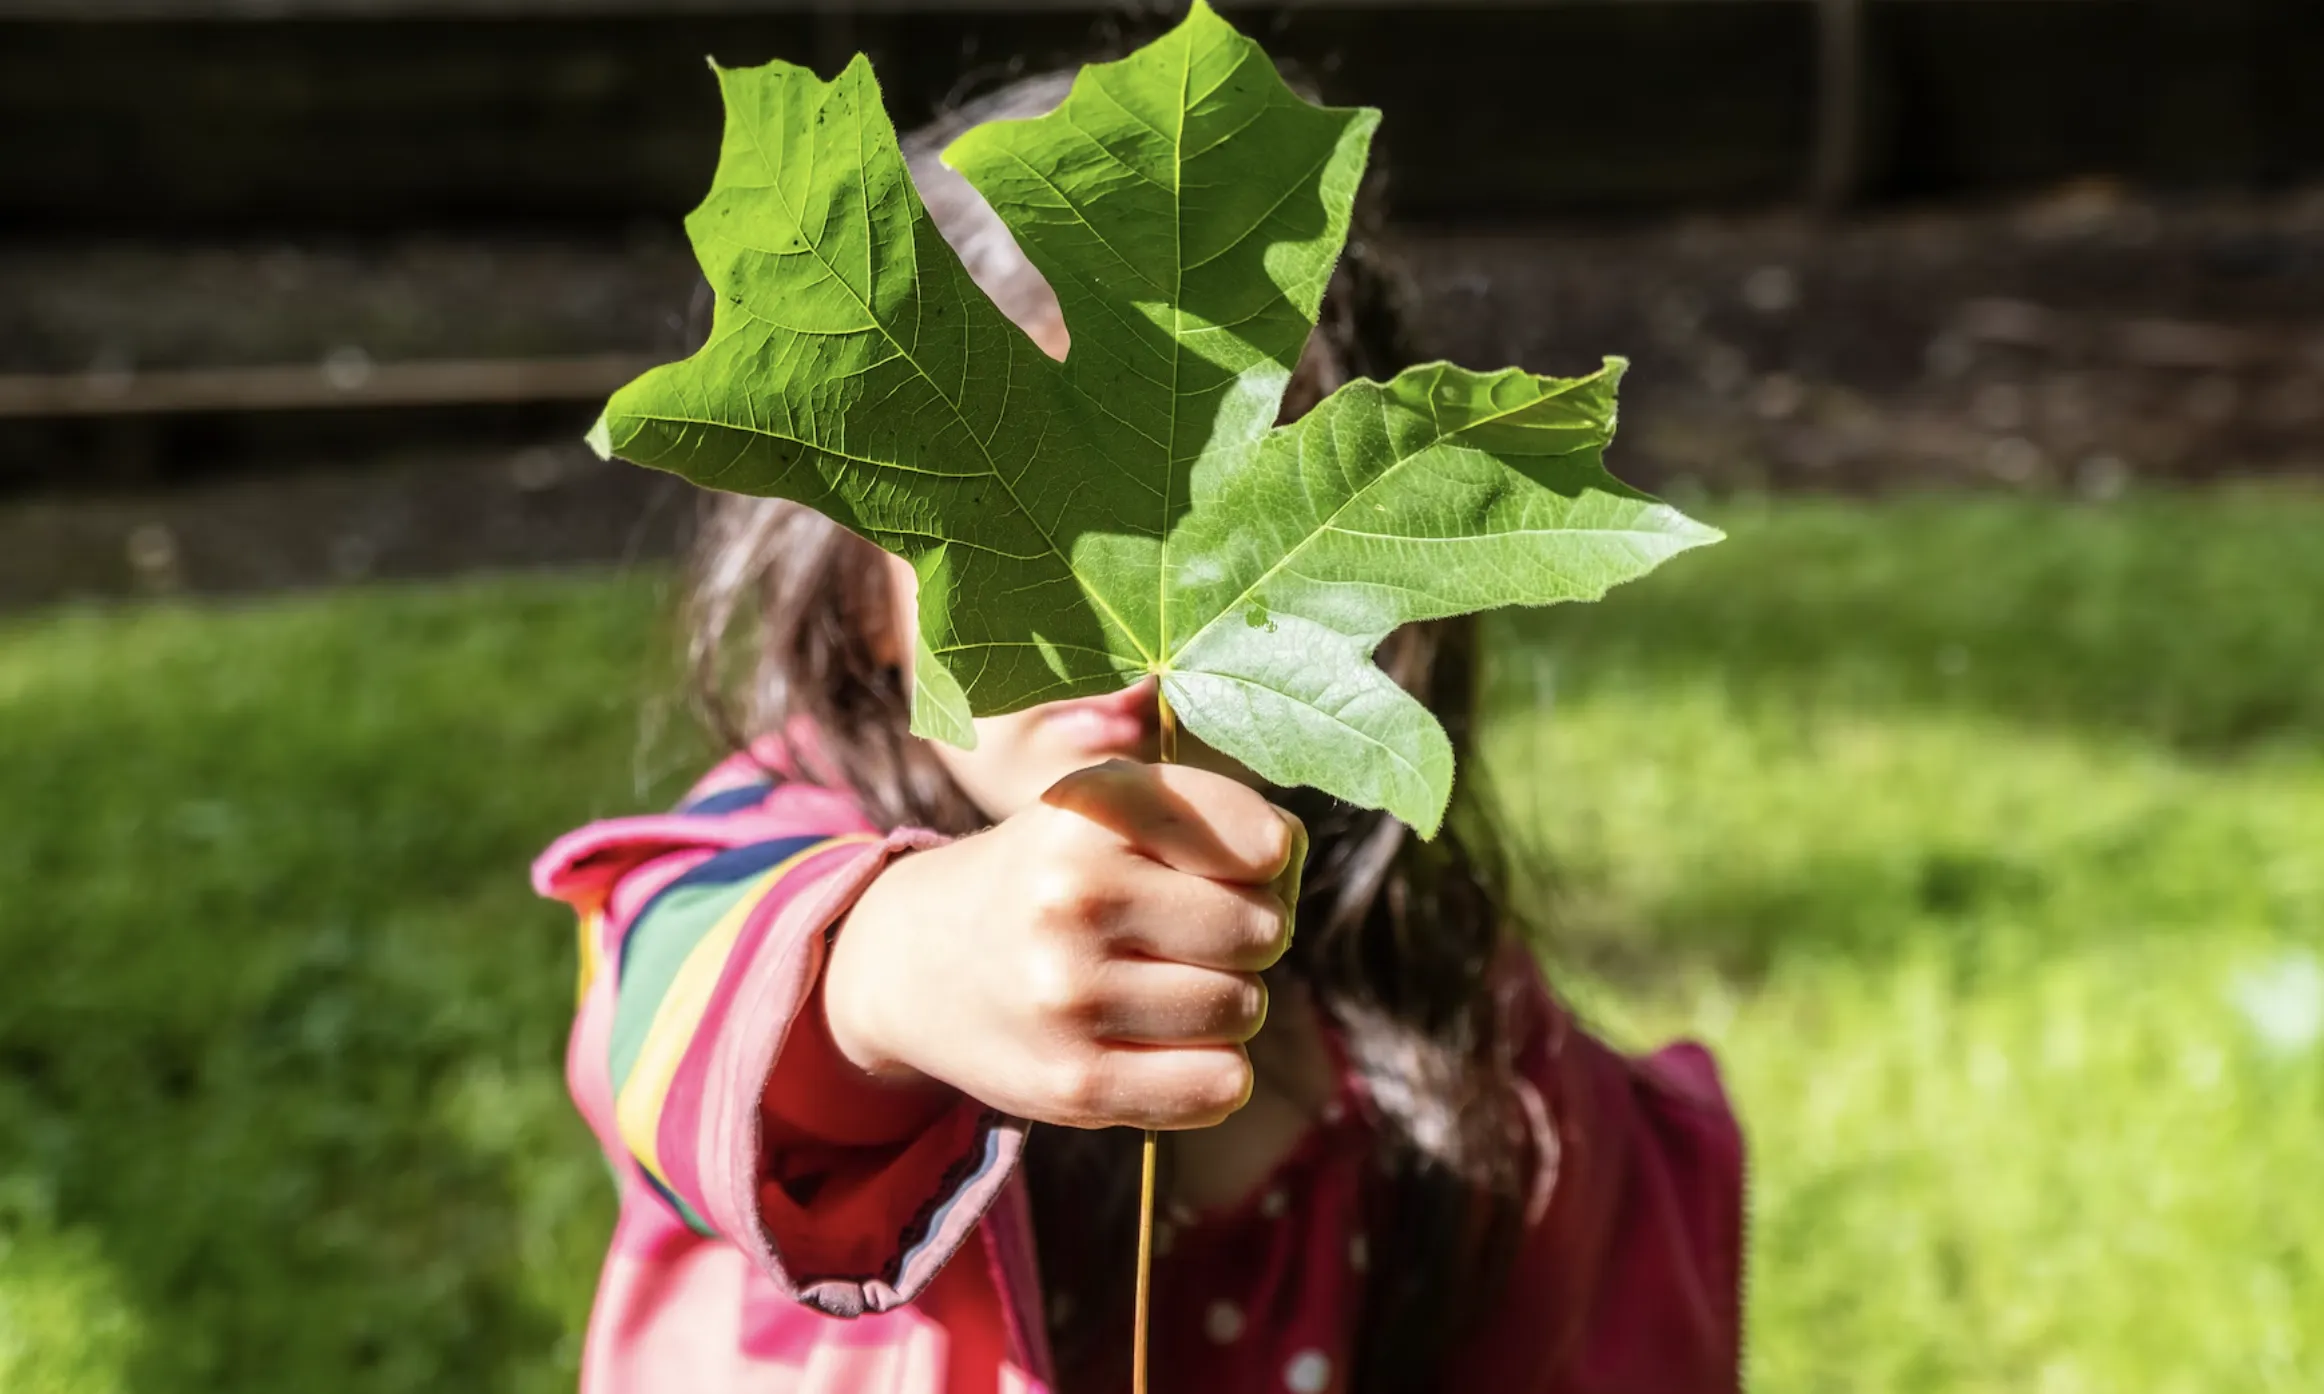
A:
[1984,838]
[1986,841]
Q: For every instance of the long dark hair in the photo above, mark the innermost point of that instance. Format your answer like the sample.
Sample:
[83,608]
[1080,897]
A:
[1399,939]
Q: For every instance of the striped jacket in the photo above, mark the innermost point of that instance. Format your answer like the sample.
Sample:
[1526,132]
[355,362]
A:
[789,1227]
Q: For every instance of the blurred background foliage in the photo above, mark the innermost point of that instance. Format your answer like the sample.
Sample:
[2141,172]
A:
[1969,800]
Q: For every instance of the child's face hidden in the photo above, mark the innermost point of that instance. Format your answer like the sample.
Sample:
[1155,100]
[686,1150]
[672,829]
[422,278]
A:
[1018,756]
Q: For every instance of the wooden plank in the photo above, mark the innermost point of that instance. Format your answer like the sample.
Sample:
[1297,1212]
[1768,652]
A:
[335,383]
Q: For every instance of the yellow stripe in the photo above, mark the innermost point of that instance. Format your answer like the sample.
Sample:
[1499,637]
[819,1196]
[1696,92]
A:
[638,1112]
[592,922]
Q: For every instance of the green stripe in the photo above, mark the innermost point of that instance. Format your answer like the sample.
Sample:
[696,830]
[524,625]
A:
[656,949]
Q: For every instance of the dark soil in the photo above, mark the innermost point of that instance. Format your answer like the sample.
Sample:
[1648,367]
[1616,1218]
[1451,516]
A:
[2089,341]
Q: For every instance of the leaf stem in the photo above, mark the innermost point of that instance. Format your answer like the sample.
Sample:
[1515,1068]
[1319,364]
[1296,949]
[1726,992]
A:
[1153,1145]
[1145,1263]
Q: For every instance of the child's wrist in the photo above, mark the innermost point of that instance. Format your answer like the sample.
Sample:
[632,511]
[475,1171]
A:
[860,988]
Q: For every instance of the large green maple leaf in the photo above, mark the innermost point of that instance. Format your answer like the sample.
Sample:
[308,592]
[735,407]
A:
[1133,510]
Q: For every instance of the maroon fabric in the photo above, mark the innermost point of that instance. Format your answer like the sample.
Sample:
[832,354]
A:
[1632,1279]
[1627,1279]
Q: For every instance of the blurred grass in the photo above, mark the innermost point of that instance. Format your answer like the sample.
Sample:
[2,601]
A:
[280,1104]
[1985,840]
[1984,837]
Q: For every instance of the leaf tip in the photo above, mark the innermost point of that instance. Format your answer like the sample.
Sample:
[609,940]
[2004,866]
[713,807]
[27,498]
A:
[1683,532]
[600,439]
[1428,826]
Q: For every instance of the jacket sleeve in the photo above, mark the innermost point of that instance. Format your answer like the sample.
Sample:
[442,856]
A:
[1631,1266]
[701,1058]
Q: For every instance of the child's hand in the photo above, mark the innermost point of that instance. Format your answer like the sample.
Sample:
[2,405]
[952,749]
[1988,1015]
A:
[1092,961]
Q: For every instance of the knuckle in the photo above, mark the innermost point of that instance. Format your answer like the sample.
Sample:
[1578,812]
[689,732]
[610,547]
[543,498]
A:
[1060,892]
[1080,1087]
[1052,833]
[1058,984]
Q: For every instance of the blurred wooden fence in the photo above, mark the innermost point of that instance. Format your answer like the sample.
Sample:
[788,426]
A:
[176,115]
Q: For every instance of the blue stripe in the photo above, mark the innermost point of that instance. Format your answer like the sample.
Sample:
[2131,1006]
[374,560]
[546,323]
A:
[735,800]
[677,1205]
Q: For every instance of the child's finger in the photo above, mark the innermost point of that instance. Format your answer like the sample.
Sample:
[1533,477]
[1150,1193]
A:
[1190,820]
[1165,1087]
[1211,924]
[1150,1002]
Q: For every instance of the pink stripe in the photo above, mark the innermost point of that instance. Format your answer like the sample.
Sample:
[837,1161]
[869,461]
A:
[678,1132]
[758,1019]
[581,864]
[588,1062]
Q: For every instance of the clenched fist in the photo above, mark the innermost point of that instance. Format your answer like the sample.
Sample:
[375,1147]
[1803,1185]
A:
[1092,961]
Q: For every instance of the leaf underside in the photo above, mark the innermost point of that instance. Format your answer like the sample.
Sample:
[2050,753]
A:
[1133,510]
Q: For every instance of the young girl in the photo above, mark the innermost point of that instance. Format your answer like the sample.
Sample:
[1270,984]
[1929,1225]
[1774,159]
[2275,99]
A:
[868,1024]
